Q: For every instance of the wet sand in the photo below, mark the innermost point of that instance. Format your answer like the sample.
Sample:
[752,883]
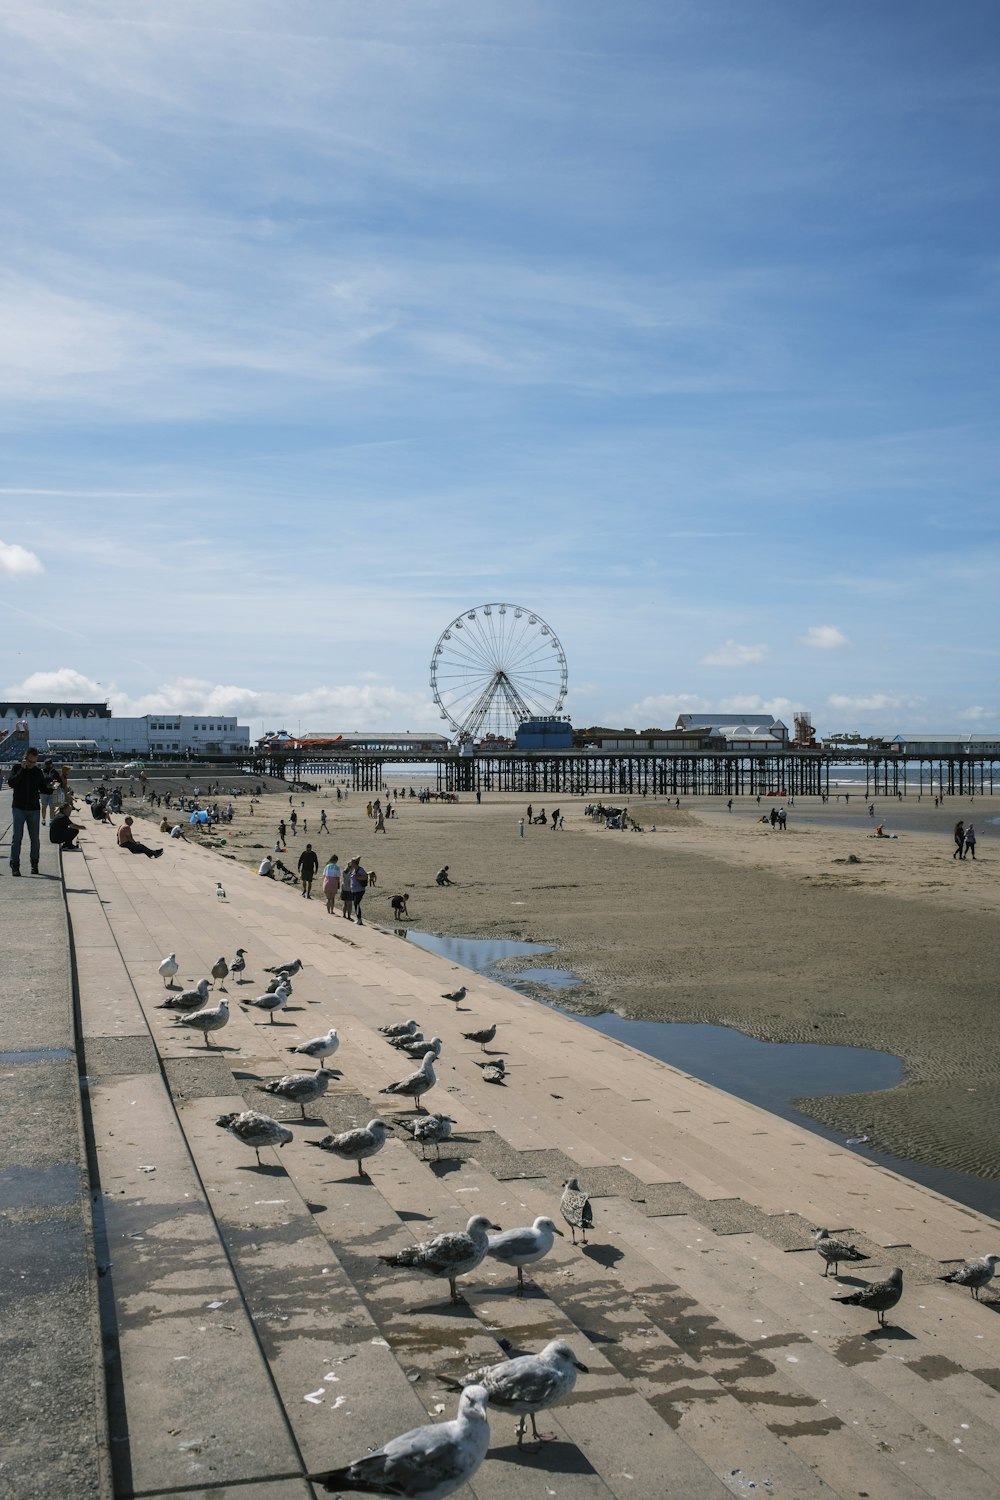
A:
[717,918]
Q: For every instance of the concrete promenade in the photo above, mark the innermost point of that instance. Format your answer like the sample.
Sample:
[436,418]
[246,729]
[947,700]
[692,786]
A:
[251,1335]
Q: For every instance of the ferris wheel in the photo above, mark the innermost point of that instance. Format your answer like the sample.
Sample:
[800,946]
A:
[495,666]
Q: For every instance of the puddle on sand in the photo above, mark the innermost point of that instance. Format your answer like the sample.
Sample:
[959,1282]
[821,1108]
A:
[769,1074]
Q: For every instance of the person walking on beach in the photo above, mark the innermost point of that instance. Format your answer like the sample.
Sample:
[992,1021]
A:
[959,840]
[359,885]
[293,818]
[308,864]
[322,820]
[282,830]
[970,840]
[555,820]
[28,783]
[331,883]
[531,814]
[520,828]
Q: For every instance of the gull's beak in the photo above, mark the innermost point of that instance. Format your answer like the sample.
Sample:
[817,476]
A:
[558,1232]
[582,1368]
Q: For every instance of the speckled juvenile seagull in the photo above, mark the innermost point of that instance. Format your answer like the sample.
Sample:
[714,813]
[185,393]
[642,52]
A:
[255,1129]
[834,1251]
[879,1296]
[289,969]
[419,1050]
[574,1205]
[415,1084]
[452,1254]
[426,1463]
[484,1035]
[219,971]
[205,1021]
[356,1145]
[300,1088]
[975,1274]
[399,1028]
[187,999]
[529,1383]
[430,1131]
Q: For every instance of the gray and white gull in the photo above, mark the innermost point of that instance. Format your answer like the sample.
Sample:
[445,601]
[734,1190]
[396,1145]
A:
[452,1254]
[300,1088]
[425,1463]
[356,1145]
[528,1384]
[522,1247]
[255,1130]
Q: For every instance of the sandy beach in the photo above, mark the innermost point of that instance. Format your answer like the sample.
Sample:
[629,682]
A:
[820,934]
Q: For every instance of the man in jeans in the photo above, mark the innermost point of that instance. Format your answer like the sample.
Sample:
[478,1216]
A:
[29,784]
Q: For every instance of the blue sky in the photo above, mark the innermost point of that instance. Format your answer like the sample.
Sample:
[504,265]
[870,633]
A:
[323,322]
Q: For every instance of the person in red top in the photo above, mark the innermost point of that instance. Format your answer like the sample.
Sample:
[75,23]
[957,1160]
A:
[126,841]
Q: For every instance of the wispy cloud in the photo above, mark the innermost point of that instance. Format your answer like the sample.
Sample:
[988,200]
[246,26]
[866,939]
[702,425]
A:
[823,638]
[732,654]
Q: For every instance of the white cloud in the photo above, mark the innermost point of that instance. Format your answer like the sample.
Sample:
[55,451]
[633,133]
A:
[977,714]
[732,654]
[845,703]
[63,683]
[16,561]
[823,638]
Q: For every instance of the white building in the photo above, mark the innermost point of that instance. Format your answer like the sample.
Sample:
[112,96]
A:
[56,726]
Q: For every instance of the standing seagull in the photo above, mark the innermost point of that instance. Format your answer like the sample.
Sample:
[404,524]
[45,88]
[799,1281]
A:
[269,1002]
[319,1046]
[574,1205]
[289,969]
[426,1463]
[168,968]
[456,995]
[219,971]
[975,1274]
[209,1020]
[300,1088]
[256,1130]
[238,965]
[399,1028]
[878,1295]
[415,1084]
[834,1251]
[355,1145]
[220,891]
[187,999]
[452,1254]
[529,1383]
[482,1037]
[430,1131]
[522,1247]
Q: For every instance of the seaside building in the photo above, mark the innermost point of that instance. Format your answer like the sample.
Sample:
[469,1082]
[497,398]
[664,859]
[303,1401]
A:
[736,731]
[72,728]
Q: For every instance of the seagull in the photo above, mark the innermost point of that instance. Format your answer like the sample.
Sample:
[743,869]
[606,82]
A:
[318,1047]
[272,1001]
[255,1130]
[205,1021]
[300,1088]
[219,971]
[187,999]
[452,1254]
[405,1039]
[522,1247]
[238,965]
[220,891]
[834,1251]
[456,995]
[574,1205]
[493,1072]
[419,1050]
[878,1295]
[289,969]
[430,1131]
[279,984]
[482,1037]
[356,1145]
[400,1028]
[426,1463]
[168,968]
[415,1084]
[975,1274]
[529,1383]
